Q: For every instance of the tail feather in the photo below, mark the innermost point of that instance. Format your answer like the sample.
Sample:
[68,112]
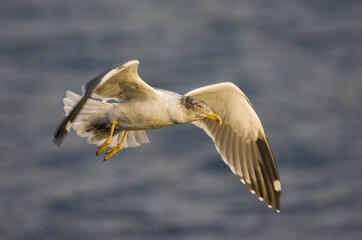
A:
[141,136]
[134,139]
[94,111]
[131,140]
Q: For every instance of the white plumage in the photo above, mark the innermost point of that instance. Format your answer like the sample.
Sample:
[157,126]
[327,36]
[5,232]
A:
[240,140]
[133,139]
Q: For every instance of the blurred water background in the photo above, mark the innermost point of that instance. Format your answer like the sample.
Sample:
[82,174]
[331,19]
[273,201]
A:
[299,62]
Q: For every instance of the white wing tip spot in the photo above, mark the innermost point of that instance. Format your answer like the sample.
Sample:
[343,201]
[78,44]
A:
[278,211]
[252,191]
[269,206]
[277,185]
[260,199]
[242,180]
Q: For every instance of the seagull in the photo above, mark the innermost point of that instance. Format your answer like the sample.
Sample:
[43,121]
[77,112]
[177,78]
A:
[117,107]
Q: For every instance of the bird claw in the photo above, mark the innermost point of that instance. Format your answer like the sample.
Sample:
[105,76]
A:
[115,149]
[102,148]
[112,152]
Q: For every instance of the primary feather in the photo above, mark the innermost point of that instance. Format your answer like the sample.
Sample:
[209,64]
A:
[241,140]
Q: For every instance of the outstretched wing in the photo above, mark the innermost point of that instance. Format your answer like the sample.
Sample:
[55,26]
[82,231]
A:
[241,140]
[120,82]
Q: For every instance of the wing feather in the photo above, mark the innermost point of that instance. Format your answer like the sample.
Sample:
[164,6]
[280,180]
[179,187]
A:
[241,140]
[250,166]
[119,82]
[230,154]
[235,155]
[244,163]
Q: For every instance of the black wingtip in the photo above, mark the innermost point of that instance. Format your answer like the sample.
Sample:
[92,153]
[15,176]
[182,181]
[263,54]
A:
[56,143]
[58,138]
[60,133]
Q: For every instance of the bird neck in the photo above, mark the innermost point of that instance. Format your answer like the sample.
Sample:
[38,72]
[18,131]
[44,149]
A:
[174,108]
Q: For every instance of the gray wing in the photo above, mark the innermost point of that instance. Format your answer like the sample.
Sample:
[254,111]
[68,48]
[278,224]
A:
[241,140]
[119,82]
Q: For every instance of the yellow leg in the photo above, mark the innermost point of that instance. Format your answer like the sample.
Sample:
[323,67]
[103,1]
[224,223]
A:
[115,149]
[109,139]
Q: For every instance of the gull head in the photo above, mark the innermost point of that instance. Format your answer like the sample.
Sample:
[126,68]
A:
[197,109]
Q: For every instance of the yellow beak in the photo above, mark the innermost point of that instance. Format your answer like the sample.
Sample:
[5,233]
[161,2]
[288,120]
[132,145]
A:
[214,117]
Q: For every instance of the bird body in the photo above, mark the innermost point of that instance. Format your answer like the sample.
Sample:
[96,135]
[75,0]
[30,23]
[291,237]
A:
[222,110]
[147,114]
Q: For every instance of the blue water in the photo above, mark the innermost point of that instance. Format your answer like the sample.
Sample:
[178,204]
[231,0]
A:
[298,62]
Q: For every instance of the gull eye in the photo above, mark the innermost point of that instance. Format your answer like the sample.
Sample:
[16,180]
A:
[198,106]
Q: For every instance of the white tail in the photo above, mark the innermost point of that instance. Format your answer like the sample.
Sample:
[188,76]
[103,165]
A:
[92,111]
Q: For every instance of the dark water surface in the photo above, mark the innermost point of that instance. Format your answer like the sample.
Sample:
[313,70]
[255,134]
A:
[299,62]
